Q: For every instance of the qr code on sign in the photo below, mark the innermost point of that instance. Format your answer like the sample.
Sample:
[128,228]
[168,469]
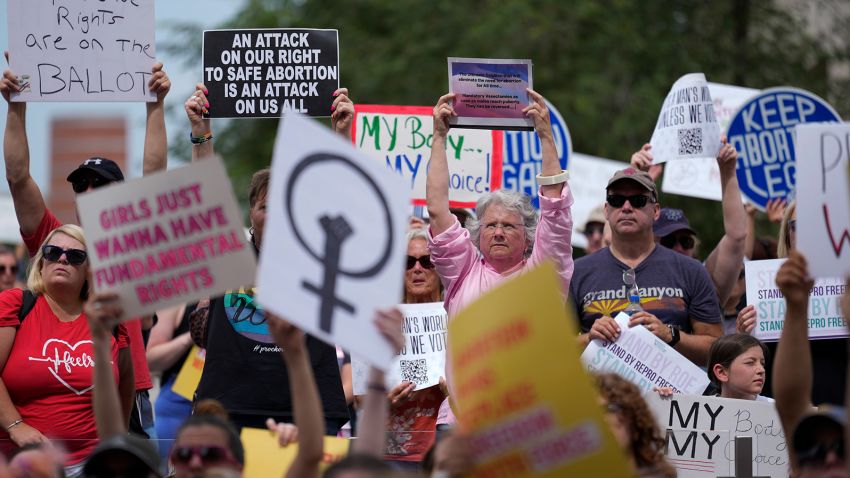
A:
[415,371]
[690,141]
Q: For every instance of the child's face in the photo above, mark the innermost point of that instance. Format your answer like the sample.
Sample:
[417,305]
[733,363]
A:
[745,376]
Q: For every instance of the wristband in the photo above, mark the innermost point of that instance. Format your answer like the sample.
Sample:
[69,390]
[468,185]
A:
[675,335]
[550,180]
[200,139]
[14,424]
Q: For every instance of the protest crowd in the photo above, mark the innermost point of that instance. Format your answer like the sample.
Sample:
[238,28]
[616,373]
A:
[90,412]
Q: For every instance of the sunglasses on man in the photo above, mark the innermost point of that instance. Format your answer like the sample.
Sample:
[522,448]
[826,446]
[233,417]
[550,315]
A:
[424,261]
[13,269]
[637,201]
[209,455]
[54,253]
[687,242]
[83,183]
[594,229]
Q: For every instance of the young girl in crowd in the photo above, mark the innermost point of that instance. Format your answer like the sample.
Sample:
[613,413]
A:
[736,367]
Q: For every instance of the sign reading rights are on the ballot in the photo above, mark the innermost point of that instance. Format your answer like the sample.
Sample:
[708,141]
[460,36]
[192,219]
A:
[825,318]
[264,72]
[77,50]
[168,238]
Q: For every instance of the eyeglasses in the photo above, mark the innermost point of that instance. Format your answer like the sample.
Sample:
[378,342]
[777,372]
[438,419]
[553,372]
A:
[792,225]
[817,454]
[637,201]
[507,227]
[424,261]
[13,269]
[209,455]
[594,229]
[669,241]
[82,184]
[74,256]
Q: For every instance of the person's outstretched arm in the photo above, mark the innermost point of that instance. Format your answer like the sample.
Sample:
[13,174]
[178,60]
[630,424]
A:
[539,113]
[201,127]
[342,113]
[155,155]
[437,181]
[103,312]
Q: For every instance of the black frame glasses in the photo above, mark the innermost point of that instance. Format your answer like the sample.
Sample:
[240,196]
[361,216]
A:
[82,184]
[73,256]
[687,241]
[424,261]
[637,200]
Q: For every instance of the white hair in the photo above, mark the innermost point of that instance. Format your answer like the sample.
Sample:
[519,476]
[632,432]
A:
[511,200]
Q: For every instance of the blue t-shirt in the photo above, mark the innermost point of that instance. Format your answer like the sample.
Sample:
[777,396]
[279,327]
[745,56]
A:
[672,287]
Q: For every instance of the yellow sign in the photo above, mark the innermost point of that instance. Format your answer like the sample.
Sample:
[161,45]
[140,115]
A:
[520,390]
[264,457]
[190,373]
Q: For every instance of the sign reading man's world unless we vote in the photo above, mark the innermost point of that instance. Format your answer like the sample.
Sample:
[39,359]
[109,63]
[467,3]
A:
[263,73]
[77,50]
[687,126]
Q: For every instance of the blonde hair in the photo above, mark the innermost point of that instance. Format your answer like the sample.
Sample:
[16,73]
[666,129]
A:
[35,282]
[784,246]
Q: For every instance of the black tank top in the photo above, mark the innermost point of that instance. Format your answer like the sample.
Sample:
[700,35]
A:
[182,327]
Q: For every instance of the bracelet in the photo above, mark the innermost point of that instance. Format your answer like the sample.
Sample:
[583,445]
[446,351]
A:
[556,179]
[377,387]
[14,424]
[200,139]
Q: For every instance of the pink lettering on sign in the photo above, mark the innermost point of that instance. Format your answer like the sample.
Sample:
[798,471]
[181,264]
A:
[181,284]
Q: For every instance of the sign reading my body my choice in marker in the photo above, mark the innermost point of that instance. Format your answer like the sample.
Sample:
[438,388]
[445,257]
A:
[263,73]
[763,134]
[75,50]
[490,94]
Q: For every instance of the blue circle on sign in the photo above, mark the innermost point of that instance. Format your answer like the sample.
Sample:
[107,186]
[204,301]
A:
[763,133]
[523,156]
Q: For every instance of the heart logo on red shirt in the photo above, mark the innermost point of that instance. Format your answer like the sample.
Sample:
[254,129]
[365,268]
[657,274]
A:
[64,356]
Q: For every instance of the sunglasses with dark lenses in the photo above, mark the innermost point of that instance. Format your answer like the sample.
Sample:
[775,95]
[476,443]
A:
[12,269]
[74,256]
[792,225]
[637,201]
[687,242]
[594,229]
[817,454]
[83,183]
[424,261]
[209,455]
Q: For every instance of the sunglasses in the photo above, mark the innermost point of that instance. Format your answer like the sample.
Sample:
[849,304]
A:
[817,454]
[637,201]
[594,229]
[424,261]
[12,269]
[83,184]
[687,242]
[209,455]
[74,256]
[792,225]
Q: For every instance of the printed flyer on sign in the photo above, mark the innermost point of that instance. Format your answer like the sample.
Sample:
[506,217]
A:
[490,94]
[78,50]
[825,317]
[645,360]
[423,358]
[263,73]
[687,126]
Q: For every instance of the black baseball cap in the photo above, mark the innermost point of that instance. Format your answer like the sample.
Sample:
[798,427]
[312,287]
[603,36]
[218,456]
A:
[141,450]
[671,220]
[103,167]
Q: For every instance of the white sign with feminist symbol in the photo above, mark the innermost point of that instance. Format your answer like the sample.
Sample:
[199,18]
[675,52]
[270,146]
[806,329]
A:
[687,126]
[333,248]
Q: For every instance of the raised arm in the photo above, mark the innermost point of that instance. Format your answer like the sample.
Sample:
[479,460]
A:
[724,262]
[155,156]
[437,181]
[342,116]
[792,366]
[642,160]
[750,243]
[103,312]
[539,113]
[196,106]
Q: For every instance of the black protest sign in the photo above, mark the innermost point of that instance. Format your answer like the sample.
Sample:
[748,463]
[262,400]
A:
[262,73]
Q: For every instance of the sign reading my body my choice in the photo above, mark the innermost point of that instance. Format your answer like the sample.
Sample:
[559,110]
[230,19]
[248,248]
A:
[262,73]
[763,134]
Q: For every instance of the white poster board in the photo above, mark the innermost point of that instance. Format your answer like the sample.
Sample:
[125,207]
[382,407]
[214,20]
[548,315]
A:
[78,50]
[823,213]
[701,177]
[700,433]
[10,231]
[423,358]
[687,126]
[168,238]
[335,225]
[825,318]
[589,176]
[645,360]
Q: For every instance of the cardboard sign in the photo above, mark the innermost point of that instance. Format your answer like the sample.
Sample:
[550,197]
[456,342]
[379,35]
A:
[825,317]
[589,176]
[490,94]
[423,358]
[76,50]
[337,221]
[700,434]
[265,458]
[169,238]
[823,217]
[400,138]
[519,389]
[190,373]
[700,177]
[261,73]
[645,360]
[763,134]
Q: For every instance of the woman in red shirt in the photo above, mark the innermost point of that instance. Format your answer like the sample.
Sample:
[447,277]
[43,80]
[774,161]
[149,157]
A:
[48,359]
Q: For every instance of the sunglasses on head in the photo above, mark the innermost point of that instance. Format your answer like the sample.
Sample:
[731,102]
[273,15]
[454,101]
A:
[13,269]
[817,454]
[209,455]
[82,184]
[74,256]
[687,242]
[424,261]
[637,201]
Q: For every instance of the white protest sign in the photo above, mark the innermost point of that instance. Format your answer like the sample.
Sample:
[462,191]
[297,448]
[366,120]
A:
[335,227]
[700,177]
[687,126]
[823,221]
[423,358]
[399,137]
[77,50]
[701,431]
[589,177]
[169,238]
[645,360]
[825,318]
